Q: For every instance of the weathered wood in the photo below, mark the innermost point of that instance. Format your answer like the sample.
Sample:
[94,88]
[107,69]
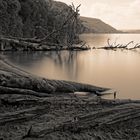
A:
[119,46]
[92,120]
[26,114]
[26,45]
[23,115]
[8,90]
[24,83]
[2,45]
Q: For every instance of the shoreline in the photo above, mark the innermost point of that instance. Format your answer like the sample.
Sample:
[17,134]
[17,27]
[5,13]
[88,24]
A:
[38,108]
[29,44]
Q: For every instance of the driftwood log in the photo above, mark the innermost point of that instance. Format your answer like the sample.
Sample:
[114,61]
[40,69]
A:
[115,46]
[37,108]
[15,44]
[13,78]
[43,44]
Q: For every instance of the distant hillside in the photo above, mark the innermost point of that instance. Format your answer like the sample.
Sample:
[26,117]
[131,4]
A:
[136,31]
[96,26]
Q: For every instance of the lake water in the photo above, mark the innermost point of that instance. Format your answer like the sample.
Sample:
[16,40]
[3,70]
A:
[119,70]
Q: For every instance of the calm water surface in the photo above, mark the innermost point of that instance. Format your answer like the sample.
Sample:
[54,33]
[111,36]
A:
[119,70]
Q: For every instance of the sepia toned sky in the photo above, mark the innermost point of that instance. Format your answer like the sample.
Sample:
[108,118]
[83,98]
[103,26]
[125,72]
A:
[121,14]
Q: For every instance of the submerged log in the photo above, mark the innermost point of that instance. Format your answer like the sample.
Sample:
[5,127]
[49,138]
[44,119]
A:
[119,46]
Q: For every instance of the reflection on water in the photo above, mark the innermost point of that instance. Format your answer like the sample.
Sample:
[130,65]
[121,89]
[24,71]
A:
[115,69]
[100,40]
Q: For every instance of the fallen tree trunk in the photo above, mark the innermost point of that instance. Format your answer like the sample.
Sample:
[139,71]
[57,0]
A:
[14,80]
[119,46]
[31,108]
[8,90]
[94,120]
[15,44]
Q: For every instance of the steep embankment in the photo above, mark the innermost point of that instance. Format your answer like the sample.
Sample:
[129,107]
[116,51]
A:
[95,25]
[37,18]
[130,31]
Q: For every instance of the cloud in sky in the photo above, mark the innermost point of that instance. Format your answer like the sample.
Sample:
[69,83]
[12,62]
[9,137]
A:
[122,14]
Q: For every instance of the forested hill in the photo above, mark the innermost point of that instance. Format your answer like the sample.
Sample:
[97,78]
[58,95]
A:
[95,25]
[37,19]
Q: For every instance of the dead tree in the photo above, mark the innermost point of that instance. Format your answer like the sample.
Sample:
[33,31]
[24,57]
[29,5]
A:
[74,23]
[135,47]
[73,15]
[108,42]
[119,46]
[125,46]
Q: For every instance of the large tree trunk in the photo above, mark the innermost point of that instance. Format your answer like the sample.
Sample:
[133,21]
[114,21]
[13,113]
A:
[14,79]
[33,108]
